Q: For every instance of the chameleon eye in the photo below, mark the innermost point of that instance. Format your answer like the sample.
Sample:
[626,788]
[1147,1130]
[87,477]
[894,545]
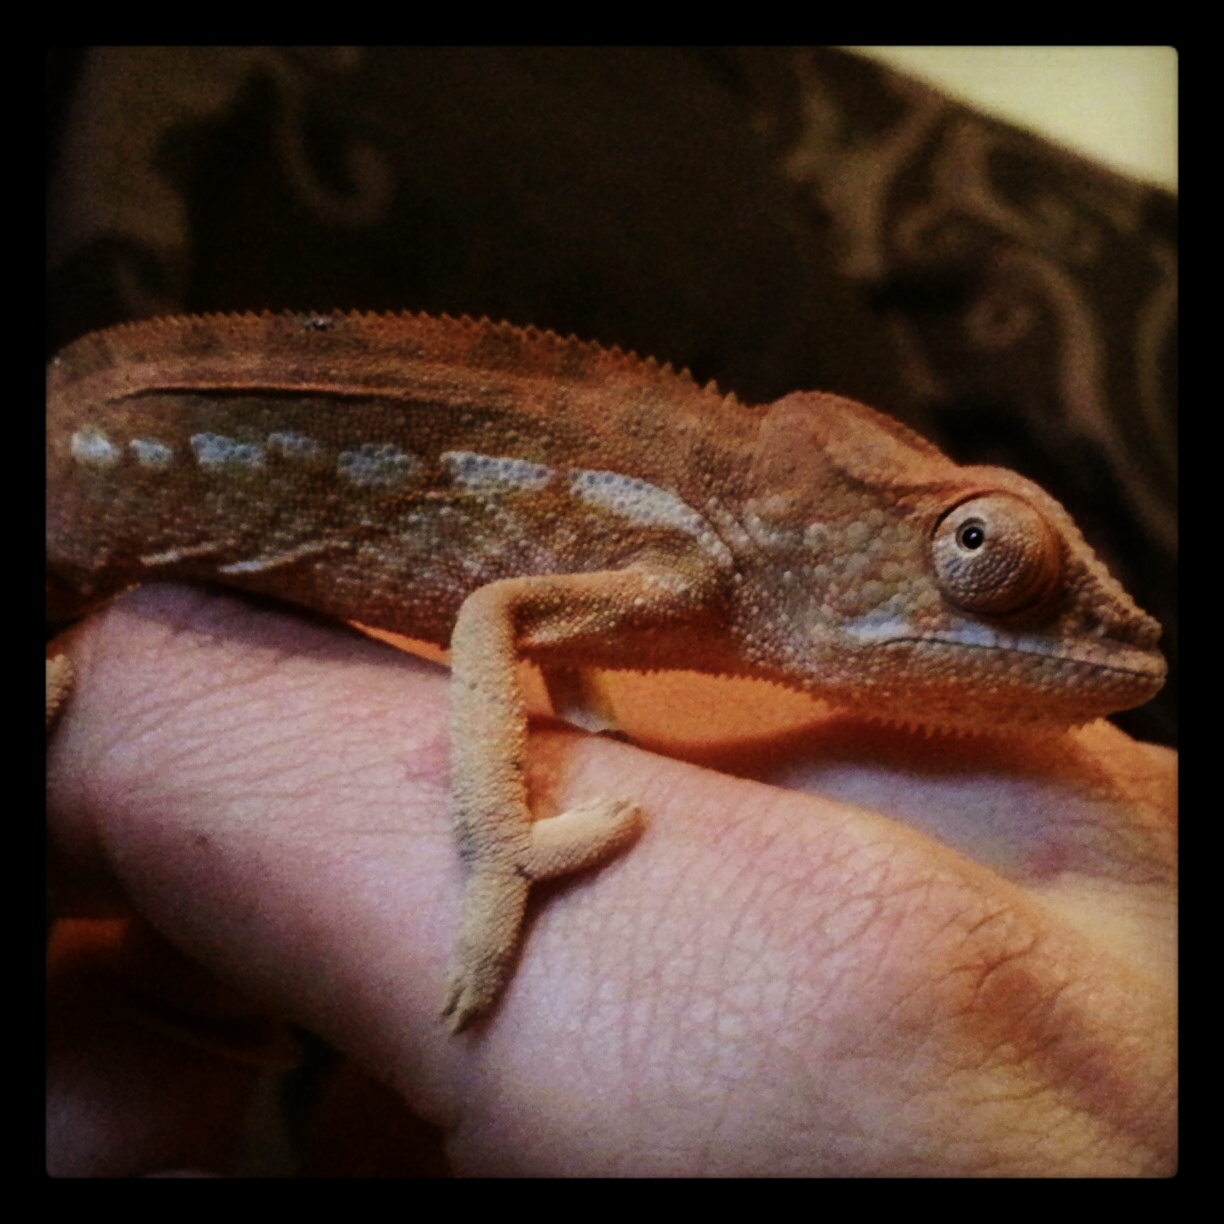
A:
[995,554]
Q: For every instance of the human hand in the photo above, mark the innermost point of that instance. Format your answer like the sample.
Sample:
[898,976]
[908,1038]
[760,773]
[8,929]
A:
[769,982]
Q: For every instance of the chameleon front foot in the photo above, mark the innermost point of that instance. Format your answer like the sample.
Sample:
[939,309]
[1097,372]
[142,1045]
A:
[582,836]
[495,897]
[59,684]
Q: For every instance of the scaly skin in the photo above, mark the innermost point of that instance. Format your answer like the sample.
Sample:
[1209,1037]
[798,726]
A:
[513,494]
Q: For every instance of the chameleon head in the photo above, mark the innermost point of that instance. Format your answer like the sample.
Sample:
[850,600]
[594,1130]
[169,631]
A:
[920,590]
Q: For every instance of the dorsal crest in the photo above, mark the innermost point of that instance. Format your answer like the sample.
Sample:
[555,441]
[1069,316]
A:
[225,349]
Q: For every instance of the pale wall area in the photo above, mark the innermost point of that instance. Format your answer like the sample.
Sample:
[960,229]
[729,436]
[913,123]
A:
[1115,104]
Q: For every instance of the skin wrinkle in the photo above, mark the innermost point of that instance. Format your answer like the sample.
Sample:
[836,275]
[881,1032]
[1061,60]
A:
[231,701]
[1049,1033]
[884,868]
[991,985]
[185,752]
[704,1030]
[1017,1017]
[224,692]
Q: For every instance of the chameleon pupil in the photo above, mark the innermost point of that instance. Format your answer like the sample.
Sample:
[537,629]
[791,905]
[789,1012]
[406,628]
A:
[972,536]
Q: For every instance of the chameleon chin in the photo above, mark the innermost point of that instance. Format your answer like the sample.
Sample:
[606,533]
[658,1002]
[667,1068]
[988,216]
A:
[509,494]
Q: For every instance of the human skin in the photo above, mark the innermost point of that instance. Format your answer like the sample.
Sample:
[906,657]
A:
[769,982]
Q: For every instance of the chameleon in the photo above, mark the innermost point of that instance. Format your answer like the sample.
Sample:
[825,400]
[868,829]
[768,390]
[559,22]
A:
[512,494]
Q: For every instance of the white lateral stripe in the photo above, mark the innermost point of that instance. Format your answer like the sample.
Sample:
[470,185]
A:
[151,454]
[218,452]
[646,505]
[93,448]
[378,465]
[636,500]
[291,445]
[268,561]
[492,472]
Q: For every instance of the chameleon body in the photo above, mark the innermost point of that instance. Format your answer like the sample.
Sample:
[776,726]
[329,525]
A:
[512,494]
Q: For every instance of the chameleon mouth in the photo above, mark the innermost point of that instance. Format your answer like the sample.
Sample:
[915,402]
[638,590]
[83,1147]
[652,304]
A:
[1122,661]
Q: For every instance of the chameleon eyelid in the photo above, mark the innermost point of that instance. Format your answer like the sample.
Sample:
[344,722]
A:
[1015,565]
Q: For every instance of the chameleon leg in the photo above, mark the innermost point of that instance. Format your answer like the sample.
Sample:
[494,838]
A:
[502,848]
